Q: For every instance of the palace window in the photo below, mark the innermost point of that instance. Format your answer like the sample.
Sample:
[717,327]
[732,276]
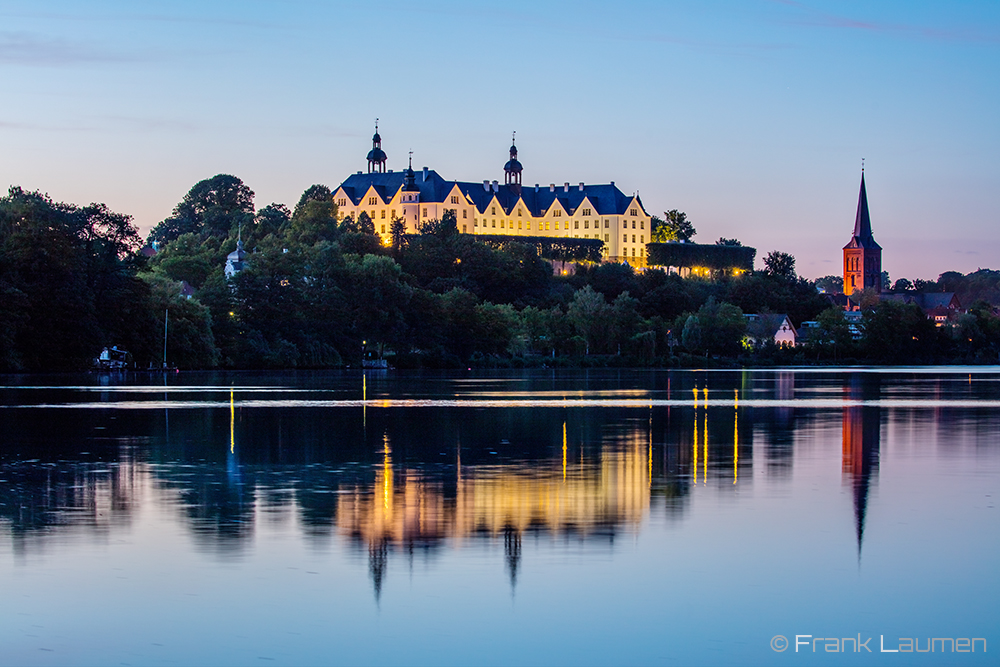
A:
[607,237]
[586,211]
[341,202]
[546,226]
[501,224]
[475,223]
[463,229]
[606,224]
[625,224]
[519,213]
[383,229]
[642,238]
[393,214]
[454,199]
[425,212]
[383,214]
[465,213]
[633,238]
[633,211]
[633,224]
[576,224]
[642,224]
[494,222]
[518,224]
[493,211]
[586,224]
[556,213]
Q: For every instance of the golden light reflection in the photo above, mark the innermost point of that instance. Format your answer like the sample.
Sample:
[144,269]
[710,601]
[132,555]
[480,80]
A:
[694,455]
[704,470]
[564,451]
[736,435]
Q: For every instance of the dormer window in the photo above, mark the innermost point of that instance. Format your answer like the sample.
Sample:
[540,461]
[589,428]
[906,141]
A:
[634,211]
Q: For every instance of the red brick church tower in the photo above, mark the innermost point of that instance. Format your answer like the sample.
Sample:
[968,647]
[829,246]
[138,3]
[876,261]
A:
[862,256]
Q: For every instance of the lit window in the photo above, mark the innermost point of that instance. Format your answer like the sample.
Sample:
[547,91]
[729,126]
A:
[494,222]
[393,214]
[519,224]
[607,237]
[519,213]
[546,226]
[501,224]
[383,229]
[633,252]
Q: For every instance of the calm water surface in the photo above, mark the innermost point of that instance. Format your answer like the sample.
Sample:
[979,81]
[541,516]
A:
[681,517]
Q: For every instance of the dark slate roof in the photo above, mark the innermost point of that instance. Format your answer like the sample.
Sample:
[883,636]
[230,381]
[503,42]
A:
[606,199]
[862,223]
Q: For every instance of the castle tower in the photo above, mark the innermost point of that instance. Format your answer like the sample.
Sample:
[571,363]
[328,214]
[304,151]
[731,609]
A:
[512,170]
[376,156]
[410,198]
[862,256]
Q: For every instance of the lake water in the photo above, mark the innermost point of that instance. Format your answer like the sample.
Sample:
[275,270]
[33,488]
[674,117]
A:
[570,517]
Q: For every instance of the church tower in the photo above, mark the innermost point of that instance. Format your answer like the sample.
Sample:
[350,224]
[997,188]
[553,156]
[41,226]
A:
[512,170]
[862,256]
[376,156]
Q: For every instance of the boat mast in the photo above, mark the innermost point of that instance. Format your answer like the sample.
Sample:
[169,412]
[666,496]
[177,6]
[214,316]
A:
[166,320]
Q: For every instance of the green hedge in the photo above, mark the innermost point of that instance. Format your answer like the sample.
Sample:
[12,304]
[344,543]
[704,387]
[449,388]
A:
[716,257]
[549,247]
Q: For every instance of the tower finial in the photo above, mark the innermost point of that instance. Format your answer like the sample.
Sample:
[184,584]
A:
[862,165]
[411,159]
[512,135]
[376,124]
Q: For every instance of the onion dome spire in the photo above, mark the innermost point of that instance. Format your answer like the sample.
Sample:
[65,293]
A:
[376,156]
[512,170]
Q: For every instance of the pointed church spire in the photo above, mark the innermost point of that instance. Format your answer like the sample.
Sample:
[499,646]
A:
[863,222]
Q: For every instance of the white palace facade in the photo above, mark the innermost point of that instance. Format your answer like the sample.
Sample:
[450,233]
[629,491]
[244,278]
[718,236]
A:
[570,211]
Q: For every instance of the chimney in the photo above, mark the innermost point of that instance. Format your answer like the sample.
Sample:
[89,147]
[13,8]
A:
[425,173]
[552,187]
[612,183]
[565,187]
[496,187]
[581,187]
[536,187]
[486,184]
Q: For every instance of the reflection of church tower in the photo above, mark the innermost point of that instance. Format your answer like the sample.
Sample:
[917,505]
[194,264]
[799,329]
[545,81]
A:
[512,170]
[376,156]
[862,256]
[860,454]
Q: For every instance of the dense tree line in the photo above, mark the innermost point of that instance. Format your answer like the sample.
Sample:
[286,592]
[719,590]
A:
[319,292]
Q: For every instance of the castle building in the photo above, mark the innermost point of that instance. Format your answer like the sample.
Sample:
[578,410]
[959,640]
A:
[600,211]
[862,256]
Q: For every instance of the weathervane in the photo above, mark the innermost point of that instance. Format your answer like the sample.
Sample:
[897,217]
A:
[411,159]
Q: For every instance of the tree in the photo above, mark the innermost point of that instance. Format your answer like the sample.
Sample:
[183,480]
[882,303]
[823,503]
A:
[315,217]
[397,234]
[272,219]
[216,206]
[829,284]
[780,265]
[728,242]
[673,227]
[902,285]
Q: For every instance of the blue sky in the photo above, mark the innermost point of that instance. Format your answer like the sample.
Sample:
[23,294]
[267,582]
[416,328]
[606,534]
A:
[751,116]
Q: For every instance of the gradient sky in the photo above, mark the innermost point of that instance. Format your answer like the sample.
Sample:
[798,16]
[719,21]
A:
[752,116]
